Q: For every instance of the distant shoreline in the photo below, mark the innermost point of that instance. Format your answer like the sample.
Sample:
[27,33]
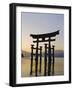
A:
[43,56]
[56,54]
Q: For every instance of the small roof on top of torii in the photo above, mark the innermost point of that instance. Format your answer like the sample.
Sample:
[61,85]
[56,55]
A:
[45,35]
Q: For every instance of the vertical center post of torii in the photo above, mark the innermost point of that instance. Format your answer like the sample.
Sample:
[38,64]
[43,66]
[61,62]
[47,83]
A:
[49,57]
[36,67]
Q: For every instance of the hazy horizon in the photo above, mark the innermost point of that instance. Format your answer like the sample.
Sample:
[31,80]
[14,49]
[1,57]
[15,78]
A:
[58,53]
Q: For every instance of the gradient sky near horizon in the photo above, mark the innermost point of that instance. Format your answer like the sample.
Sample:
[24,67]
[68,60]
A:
[40,23]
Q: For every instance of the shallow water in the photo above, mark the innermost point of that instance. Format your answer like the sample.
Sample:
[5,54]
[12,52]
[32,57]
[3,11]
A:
[25,67]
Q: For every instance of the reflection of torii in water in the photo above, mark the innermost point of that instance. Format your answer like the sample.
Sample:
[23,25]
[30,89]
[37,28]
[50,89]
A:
[44,38]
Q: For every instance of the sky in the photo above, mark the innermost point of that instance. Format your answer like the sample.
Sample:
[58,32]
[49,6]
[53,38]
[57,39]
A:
[40,23]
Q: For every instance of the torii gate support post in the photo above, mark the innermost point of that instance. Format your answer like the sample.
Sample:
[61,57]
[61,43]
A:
[36,66]
[31,60]
[40,67]
[49,58]
[53,61]
[45,60]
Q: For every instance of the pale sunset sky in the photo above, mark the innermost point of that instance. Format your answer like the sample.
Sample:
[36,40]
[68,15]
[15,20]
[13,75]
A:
[40,23]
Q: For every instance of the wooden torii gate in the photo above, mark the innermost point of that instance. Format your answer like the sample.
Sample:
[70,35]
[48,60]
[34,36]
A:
[44,38]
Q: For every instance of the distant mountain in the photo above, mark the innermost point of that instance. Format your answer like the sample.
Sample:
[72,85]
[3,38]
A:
[26,54]
[58,53]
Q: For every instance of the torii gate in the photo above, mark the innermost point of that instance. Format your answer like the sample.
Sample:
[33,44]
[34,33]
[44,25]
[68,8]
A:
[47,46]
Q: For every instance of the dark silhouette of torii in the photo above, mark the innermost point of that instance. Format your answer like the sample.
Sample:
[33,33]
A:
[47,37]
